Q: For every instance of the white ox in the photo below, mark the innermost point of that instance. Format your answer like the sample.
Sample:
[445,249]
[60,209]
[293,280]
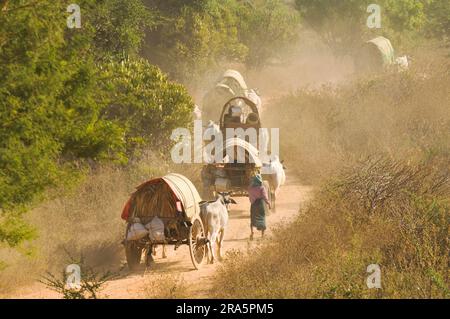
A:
[214,216]
[274,172]
[402,63]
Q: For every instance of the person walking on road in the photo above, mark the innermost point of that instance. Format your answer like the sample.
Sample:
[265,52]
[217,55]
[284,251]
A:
[259,200]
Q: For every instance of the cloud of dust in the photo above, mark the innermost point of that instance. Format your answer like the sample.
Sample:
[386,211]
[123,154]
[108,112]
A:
[309,64]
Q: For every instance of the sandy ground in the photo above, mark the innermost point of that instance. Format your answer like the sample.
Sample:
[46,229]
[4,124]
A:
[178,263]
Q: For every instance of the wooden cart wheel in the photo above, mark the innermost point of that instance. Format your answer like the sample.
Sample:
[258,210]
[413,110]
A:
[133,253]
[197,243]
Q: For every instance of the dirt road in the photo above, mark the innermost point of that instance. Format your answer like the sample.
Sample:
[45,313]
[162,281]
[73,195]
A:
[178,263]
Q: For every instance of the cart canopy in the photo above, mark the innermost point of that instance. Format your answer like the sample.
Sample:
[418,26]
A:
[251,152]
[235,75]
[164,197]
[225,91]
[186,192]
[385,49]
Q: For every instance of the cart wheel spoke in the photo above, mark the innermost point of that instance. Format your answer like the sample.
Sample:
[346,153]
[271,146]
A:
[196,243]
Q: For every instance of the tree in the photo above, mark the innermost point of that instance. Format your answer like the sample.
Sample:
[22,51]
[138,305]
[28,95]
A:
[191,38]
[145,104]
[57,89]
[118,27]
[30,73]
[342,23]
[196,37]
[438,20]
[268,28]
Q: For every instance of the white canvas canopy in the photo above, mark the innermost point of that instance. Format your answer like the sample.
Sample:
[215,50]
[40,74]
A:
[385,48]
[235,143]
[235,75]
[225,90]
[161,197]
[185,192]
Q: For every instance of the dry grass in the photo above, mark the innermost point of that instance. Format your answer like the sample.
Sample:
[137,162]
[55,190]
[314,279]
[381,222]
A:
[86,221]
[397,217]
[402,114]
[165,286]
[380,149]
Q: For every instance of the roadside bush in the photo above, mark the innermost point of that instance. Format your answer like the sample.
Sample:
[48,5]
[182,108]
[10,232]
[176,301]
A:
[343,23]
[165,287]
[402,114]
[70,99]
[398,219]
[145,104]
[378,150]
[90,285]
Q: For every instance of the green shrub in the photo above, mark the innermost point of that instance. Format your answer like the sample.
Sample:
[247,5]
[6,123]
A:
[343,23]
[193,39]
[59,89]
[145,104]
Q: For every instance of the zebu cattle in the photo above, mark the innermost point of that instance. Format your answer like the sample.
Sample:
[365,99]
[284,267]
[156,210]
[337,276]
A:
[273,171]
[214,216]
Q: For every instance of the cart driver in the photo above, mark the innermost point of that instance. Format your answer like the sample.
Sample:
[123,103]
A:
[234,114]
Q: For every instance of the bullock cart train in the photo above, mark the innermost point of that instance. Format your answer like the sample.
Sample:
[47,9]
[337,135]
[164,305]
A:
[169,210]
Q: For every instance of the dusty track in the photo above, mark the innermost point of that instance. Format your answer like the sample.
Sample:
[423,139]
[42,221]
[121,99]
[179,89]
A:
[198,282]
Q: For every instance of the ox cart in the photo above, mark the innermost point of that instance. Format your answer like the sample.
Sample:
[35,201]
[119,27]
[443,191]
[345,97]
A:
[234,175]
[172,202]
[231,84]
[375,55]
